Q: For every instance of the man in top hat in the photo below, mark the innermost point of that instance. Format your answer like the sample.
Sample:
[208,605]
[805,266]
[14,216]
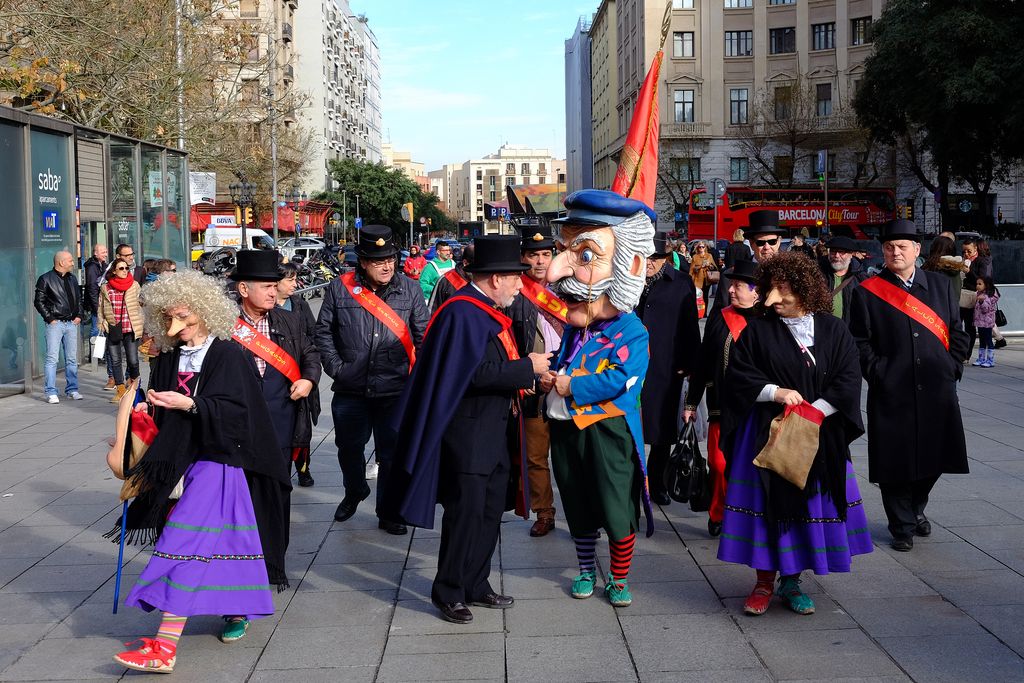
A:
[371,323]
[842,274]
[906,322]
[765,237]
[668,309]
[453,280]
[720,337]
[538,317]
[597,443]
[462,399]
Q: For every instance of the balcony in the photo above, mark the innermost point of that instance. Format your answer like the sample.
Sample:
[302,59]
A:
[294,4]
[286,32]
[685,130]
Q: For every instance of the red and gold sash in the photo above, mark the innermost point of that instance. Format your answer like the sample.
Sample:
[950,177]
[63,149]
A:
[543,298]
[456,280]
[276,357]
[376,307]
[909,305]
[508,342]
[734,321]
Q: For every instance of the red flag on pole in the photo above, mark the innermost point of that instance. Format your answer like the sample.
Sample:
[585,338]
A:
[637,174]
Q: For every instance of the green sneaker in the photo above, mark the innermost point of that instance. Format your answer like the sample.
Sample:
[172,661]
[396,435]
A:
[798,601]
[583,585]
[234,630]
[618,593]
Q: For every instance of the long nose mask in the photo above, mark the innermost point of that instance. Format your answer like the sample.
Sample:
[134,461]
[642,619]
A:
[176,326]
[774,297]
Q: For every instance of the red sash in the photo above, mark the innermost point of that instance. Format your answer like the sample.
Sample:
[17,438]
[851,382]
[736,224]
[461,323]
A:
[544,299]
[909,305]
[276,357]
[505,336]
[456,280]
[376,307]
[734,321]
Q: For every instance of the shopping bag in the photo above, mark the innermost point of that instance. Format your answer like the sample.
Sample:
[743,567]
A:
[99,347]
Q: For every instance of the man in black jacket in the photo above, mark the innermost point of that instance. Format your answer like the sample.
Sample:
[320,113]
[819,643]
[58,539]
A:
[370,324]
[842,275]
[59,301]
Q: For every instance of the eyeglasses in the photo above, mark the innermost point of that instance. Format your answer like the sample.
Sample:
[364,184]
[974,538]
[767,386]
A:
[701,246]
[121,269]
[768,242]
[128,255]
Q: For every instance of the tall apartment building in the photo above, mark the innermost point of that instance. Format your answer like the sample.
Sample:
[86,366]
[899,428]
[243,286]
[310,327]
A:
[578,119]
[476,181]
[402,161]
[338,68]
[741,81]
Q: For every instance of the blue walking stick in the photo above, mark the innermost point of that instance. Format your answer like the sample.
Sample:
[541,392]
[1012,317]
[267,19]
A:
[120,555]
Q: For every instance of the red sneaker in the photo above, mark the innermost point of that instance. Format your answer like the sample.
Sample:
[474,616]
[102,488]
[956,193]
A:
[759,599]
[154,656]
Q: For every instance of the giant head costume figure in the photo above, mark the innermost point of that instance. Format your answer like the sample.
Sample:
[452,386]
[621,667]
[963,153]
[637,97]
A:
[603,244]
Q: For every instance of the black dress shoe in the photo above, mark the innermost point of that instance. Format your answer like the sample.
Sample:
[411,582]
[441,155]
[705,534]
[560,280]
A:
[455,612]
[305,479]
[393,528]
[903,545]
[347,506]
[924,527]
[495,601]
[660,498]
[714,528]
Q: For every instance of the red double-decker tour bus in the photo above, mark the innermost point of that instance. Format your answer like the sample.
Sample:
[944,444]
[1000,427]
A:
[854,212]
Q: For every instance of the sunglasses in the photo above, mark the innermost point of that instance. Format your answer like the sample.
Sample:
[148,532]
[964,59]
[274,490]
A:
[121,269]
[701,247]
[769,242]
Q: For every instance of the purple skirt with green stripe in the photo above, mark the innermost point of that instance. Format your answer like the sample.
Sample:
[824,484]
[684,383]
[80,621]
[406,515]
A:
[820,542]
[208,559]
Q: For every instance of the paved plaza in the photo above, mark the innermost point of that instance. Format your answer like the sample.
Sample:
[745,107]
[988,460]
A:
[358,608]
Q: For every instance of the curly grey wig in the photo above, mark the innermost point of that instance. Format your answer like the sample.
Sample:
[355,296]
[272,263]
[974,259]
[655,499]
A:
[203,295]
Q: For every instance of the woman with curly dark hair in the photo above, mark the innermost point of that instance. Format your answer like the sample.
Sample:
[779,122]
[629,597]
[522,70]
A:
[798,362]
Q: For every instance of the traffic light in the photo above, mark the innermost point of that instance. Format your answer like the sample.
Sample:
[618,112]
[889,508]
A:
[908,212]
[248,215]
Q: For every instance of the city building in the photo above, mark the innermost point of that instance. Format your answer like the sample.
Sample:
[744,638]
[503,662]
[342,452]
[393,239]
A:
[578,124]
[403,162]
[337,68]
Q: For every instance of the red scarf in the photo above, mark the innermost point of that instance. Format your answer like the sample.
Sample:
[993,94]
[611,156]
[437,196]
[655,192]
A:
[121,284]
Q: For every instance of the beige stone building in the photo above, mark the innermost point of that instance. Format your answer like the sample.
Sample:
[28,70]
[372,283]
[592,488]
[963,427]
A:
[749,91]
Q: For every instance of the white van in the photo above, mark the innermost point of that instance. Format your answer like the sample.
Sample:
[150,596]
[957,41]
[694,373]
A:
[221,236]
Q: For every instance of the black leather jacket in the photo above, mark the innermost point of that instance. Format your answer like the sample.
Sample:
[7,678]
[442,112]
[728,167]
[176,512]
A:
[361,355]
[58,297]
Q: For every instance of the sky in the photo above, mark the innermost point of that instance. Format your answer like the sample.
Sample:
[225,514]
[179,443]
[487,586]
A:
[459,78]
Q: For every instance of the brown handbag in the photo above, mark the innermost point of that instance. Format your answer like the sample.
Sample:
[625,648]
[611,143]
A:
[792,443]
[133,433]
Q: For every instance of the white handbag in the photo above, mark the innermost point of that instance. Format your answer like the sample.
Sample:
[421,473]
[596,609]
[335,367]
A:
[99,347]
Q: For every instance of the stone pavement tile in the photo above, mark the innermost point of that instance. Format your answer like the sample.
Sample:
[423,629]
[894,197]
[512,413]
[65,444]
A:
[705,551]
[828,616]
[942,557]
[348,608]
[446,643]
[689,526]
[538,582]
[735,676]
[351,674]
[372,545]
[559,617]
[330,646]
[88,496]
[81,551]
[75,659]
[551,553]
[60,515]
[954,514]
[663,542]
[352,577]
[56,579]
[873,583]
[17,639]
[671,597]
[672,643]
[419,617]
[1003,621]
[735,581]
[312,512]
[442,667]
[995,537]
[911,616]
[955,658]
[417,582]
[96,619]
[1013,468]
[986,587]
[822,655]
[39,608]
[11,569]
[305,537]
[598,657]
[19,541]
[423,552]
[678,566]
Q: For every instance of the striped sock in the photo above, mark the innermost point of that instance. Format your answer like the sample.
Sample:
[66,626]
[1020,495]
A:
[170,630]
[622,556]
[585,551]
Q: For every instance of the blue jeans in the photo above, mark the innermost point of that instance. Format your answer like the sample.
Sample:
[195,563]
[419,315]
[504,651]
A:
[355,418]
[60,334]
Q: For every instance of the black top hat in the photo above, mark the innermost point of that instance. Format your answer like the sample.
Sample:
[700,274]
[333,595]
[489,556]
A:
[536,237]
[375,241]
[256,265]
[899,230]
[496,254]
[764,222]
[842,243]
[742,270]
[661,245]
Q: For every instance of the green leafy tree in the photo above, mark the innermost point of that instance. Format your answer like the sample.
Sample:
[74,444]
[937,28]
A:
[944,86]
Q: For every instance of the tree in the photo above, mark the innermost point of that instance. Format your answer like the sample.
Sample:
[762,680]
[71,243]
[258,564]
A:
[944,85]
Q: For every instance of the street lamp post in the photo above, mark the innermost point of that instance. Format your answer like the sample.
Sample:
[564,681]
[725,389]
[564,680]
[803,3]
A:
[295,201]
[716,193]
[242,195]
[357,218]
[344,215]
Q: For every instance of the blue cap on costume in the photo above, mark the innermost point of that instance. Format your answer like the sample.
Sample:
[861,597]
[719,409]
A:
[600,208]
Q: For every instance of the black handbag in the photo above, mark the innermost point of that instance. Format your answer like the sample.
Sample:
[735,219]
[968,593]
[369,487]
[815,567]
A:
[1000,318]
[700,483]
[676,477]
[115,335]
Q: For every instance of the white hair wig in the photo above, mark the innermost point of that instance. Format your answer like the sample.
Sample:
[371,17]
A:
[203,295]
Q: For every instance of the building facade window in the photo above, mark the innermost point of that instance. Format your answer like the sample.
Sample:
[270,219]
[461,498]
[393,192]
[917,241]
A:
[685,169]
[860,31]
[830,164]
[510,180]
[781,2]
[823,36]
[736,4]
[682,4]
[541,180]
[739,43]
[561,179]
[823,96]
[782,167]
[783,102]
[781,40]
[479,188]
[510,169]
[738,105]
[683,106]
[479,174]
[525,169]
[739,169]
[682,44]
